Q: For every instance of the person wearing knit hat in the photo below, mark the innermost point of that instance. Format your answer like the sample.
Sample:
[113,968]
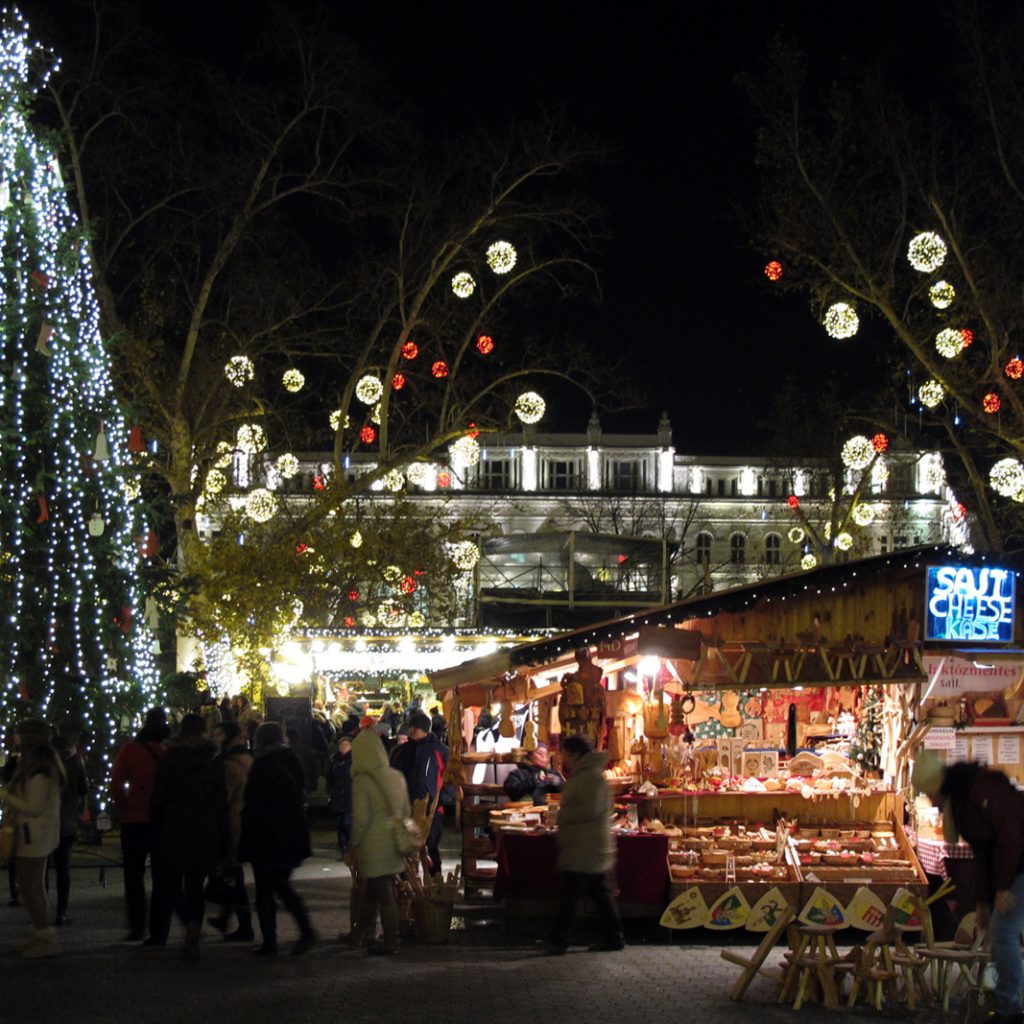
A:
[34,795]
[987,810]
[422,761]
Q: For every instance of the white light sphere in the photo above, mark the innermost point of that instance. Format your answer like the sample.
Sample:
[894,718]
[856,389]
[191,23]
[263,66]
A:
[931,393]
[251,439]
[841,321]
[530,407]
[369,389]
[463,285]
[1007,477]
[418,472]
[864,515]
[942,294]
[260,505]
[392,574]
[287,465]
[464,553]
[464,452]
[356,540]
[858,452]
[132,488]
[335,419]
[808,562]
[796,535]
[223,459]
[417,620]
[501,257]
[926,252]
[239,370]
[393,480]
[844,541]
[293,380]
[215,482]
[949,343]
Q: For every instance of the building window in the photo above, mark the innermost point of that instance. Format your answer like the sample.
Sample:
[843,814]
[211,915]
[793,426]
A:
[562,475]
[721,488]
[737,549]
[773,549]
[496,474]
[704,542]
[625,476]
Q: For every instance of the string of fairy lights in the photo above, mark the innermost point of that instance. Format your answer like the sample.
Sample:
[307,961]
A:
[74,647]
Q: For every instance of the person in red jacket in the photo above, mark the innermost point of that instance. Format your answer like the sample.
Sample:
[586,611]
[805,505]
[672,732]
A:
[131,787]
[984,808]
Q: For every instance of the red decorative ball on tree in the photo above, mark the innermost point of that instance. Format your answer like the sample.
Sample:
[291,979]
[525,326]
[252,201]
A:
[485,344]
[410,350]
[353,595]
[318,483]
[398,381]
[991,403]
[444,479]
[301,548]
[349,621]
[968,337]
[880,442]
[473,431]
[439,369]
[1014,369]
[367,435]
[793,501]
[773,270]
[408,585]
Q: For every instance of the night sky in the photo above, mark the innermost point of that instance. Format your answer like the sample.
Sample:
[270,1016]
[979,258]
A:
[682,285]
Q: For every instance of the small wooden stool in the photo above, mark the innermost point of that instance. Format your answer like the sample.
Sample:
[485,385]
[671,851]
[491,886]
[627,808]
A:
[814,957]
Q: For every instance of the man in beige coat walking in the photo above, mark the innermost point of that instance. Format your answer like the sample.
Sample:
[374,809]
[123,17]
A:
[586,847]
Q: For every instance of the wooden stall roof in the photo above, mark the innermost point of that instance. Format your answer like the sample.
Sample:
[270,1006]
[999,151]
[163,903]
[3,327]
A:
[868,601]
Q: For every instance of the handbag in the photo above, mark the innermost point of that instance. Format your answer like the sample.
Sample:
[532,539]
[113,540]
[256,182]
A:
[404,831]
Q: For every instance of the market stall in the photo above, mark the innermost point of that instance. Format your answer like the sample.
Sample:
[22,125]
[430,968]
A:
[778,718]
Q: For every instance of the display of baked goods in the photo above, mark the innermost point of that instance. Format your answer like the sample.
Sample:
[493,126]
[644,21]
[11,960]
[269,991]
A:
[862,852]
[713,853]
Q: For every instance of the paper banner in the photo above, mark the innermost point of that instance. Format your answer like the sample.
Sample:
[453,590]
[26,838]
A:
[824,908]
[906,914]
[687,910]
[729,911]
[865,910]
[765,912]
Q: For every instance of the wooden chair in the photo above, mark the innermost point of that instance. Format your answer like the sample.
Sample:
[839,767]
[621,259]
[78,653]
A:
[874,974]
[813,966]
[955,964]
[754,964]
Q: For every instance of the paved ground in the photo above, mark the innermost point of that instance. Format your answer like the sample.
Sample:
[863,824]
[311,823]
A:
[482,975]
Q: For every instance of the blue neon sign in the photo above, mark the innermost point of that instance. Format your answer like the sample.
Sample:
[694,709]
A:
[968,603]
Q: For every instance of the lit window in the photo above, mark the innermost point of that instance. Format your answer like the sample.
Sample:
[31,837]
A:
[773,549]
[703,552]
[737,549]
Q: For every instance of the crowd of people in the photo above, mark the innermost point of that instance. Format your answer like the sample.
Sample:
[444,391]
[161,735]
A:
[224,789]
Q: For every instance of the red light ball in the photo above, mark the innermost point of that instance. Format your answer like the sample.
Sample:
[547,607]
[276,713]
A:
[473,431]
[991,403]
[968,337]
[1014,369]
[398,381]
[349,621]
[318,483]
[439,369]
[959,513]
[444,479]
[408,585]
[301,548]
[793,501]
[773,270]
[880,442]
[353,595]
[367,435]
[485,344]
[410,350]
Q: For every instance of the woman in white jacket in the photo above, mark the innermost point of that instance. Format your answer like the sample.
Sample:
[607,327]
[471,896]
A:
[379,795]
[34,796]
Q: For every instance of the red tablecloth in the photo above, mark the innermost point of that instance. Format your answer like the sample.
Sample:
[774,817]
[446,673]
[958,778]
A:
[933,854]
[527,866]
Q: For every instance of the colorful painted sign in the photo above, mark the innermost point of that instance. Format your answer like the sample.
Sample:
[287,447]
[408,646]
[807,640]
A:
[687,910]
[729,911]
[823,908]
[765,913]
[968,604]
[866,910]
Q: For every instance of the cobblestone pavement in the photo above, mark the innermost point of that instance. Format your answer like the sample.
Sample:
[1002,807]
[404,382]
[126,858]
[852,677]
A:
[484,974]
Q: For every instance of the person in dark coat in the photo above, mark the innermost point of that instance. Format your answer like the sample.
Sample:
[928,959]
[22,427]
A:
[341,792]
[72,804]
[984,808]
[275,836]
[422,761]
[534,778]
[189,812]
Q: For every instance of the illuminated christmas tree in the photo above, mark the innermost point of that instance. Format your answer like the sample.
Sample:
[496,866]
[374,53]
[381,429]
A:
[73,646]
[866,745]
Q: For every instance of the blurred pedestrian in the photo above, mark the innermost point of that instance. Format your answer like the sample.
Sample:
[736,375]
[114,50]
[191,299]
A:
[34,795]
[586,847]
[422,761]
[275,836]
[10,767]
[379,795]
[190,818]
[237,761]
[131,789]
[72,804]
[341,792]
